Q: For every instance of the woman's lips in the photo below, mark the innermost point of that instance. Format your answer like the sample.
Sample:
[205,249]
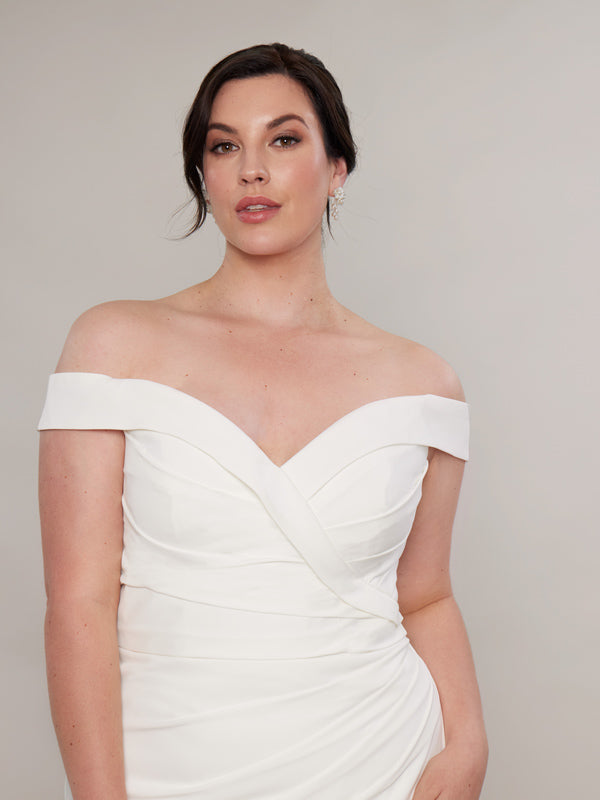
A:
[256,209]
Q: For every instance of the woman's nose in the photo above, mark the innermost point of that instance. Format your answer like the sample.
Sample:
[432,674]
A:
[253,168]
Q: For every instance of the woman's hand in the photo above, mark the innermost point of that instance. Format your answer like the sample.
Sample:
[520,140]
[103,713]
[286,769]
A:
[456,773]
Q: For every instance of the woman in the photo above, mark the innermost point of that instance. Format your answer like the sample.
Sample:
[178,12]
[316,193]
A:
[228,477]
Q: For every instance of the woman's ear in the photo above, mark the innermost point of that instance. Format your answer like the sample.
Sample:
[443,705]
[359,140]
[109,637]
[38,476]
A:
[338,175]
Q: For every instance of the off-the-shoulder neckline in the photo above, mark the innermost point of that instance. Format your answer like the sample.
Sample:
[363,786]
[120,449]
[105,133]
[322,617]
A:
[203,402]
[343,419]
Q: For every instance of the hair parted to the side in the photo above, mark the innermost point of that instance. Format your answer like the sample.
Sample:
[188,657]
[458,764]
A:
[265,59]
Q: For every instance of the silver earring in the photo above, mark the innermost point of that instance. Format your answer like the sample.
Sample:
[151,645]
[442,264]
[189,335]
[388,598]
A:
[204,195]
[338,198]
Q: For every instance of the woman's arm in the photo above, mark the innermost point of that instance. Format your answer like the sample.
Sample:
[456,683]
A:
[436,630]
[80,485]
[80,489]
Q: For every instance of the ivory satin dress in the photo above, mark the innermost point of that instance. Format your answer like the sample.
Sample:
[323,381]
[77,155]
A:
[262,651]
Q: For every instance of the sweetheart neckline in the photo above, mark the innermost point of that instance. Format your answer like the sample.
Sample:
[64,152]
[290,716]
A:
[227,420]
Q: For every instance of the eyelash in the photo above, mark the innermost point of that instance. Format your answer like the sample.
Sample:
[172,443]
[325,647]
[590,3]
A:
[294,140]
[215,148]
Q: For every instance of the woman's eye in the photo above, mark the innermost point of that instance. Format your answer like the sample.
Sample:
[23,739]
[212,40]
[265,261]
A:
[223,147]
[286,141]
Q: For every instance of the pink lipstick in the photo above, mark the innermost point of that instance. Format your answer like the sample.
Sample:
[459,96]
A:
[256,208]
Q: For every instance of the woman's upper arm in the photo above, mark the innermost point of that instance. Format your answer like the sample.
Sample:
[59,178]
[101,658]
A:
[81,475]
[80,487]
[424,568]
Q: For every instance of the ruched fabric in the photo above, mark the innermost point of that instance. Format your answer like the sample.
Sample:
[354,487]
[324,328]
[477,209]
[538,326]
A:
[262,650]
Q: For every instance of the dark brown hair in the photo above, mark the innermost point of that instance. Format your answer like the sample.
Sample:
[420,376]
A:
[266,59]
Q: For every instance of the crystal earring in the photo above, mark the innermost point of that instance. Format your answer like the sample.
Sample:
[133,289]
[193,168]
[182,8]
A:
[338,198]
[204,194]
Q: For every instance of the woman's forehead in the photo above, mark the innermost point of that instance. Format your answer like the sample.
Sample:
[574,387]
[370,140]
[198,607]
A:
[266,96]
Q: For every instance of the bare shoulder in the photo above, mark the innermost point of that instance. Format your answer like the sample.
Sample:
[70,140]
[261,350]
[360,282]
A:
[420,370]
[109,337]
[437,373]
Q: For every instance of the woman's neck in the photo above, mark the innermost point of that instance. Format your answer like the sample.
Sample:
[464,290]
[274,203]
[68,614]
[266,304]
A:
[282,290]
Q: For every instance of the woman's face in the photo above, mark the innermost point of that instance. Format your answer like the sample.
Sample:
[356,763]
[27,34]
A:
[266,171]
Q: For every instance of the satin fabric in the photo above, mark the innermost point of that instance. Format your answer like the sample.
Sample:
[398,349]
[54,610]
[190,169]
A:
[262,651]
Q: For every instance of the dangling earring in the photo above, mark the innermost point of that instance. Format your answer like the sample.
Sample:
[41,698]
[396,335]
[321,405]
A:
[204,195]
[338,198]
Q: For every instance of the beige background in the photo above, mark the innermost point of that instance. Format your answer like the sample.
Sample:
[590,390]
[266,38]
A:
[471,226]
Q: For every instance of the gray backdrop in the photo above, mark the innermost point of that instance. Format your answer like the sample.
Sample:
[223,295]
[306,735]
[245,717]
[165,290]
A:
[471,226]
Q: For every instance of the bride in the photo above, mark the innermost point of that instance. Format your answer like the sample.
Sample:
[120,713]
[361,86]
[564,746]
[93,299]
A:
[163,424]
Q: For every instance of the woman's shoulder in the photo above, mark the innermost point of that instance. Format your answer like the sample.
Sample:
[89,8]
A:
[417,369]
[110,337]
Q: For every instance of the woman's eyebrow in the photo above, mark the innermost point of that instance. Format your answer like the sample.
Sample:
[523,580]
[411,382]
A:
[284,118]
[221,127]
[275,123]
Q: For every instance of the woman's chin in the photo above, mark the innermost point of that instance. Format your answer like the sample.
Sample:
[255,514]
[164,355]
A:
[261,252]
[268,243]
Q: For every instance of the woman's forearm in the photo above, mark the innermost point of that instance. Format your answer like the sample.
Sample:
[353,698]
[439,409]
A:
[437,632]
[82,663]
